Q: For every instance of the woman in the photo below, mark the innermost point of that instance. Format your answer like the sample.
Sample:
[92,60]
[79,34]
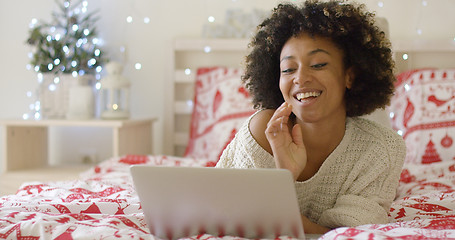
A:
[312,71]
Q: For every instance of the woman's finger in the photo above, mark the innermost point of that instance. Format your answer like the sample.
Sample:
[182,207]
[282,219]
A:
[279,121]
[283,110]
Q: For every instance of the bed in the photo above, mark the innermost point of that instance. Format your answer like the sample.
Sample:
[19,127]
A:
[209,106]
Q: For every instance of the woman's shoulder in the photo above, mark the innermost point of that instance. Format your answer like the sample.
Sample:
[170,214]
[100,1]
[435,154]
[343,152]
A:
[376,132]
[373,128]
[258,124]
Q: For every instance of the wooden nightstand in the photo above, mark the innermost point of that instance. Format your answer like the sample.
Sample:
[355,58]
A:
[26,141]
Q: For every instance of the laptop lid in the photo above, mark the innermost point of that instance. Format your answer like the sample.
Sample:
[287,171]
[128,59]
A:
[186,201]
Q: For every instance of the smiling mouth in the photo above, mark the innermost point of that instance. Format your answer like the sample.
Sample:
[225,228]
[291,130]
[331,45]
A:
[307,95]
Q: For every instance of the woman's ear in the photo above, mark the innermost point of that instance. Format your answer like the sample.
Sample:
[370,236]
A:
[349,77]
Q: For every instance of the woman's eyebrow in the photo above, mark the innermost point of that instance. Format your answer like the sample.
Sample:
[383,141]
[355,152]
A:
[318,50]
[286,58]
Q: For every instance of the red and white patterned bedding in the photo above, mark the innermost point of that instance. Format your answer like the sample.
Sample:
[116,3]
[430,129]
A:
[102,203]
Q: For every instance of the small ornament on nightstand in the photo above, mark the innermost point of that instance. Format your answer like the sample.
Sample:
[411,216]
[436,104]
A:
[115,93]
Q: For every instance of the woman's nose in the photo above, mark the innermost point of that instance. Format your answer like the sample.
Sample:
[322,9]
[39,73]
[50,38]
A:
[302,77]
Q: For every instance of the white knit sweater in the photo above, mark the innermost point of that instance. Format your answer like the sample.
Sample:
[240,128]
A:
[355,185]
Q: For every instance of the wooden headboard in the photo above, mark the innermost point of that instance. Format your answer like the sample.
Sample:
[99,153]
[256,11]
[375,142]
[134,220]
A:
[190,54]
[423,54]
[187,56]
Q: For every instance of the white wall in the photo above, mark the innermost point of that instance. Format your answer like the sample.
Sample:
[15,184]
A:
[150,44]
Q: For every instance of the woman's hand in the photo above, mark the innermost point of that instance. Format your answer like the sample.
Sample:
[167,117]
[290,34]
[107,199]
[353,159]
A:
[312,228]
[287,145]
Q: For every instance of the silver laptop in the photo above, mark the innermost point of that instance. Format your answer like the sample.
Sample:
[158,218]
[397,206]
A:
[187,201]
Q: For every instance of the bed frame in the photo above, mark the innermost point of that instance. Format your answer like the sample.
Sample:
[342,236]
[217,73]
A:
[193,53]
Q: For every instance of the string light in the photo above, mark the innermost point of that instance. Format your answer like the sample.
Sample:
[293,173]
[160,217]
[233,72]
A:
[84,6]
[135,17]
[419,30]
[129,19]
[407,87]
[405,56]
[52,87]
[40,77]
[37,106]
[211,19]
[91,62]
[75,27]
[33,22]
[381,4]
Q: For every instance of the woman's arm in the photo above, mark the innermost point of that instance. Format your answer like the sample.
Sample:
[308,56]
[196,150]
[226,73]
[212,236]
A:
[313,228]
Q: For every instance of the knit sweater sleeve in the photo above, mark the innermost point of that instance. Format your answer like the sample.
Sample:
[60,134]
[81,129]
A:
[371,186]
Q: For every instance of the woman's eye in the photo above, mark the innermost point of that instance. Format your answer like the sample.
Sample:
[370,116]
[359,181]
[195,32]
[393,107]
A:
[319,65]
[288,70]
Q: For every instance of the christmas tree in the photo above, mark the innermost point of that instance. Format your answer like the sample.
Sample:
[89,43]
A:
[68,44]
[431,155]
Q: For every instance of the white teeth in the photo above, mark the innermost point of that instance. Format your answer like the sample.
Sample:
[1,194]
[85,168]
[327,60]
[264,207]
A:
[301,96]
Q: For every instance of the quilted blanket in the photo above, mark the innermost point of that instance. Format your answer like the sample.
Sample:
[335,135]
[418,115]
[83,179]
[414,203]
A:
[102,204]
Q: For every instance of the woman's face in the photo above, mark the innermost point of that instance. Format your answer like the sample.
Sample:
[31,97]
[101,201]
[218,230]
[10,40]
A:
[313,79]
